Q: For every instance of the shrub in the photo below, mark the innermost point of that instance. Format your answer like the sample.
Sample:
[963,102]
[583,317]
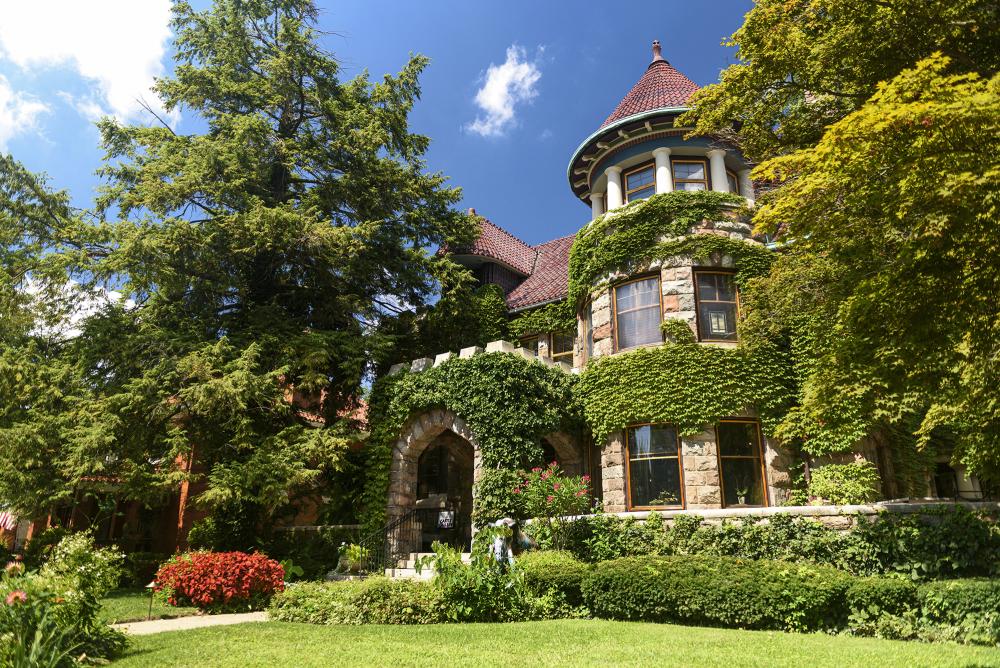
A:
[877,596]
[372,601]
[853,483]
[719,591]
[141,568]
[38,549]
[51,616]
[970,608]
[317,603]
[316,552]
[219,581]
[548,571]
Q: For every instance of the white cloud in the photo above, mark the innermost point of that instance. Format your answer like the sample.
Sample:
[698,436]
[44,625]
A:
[18,112]
[504,88]
[117,45]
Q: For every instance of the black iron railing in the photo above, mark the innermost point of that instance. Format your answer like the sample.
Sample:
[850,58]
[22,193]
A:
[414,531]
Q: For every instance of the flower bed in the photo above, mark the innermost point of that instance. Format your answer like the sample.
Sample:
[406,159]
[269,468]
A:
[220,581]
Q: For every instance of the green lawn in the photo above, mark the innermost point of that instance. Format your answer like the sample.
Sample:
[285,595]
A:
[557,643]
[130,605]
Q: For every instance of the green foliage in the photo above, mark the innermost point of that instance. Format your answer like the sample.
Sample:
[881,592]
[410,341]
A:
[887,289]
[842,484]
[549,493]
[803,65]
[723,591]
[628,239]
[969,609]
[554,571]
[494,497]
[508,402]
[270,249]
[676,330]
[878,596]
[689,386]
[52,616]
[39,548]
[372,601]
[933,544]
[316,552]
[558,317]
[141,567]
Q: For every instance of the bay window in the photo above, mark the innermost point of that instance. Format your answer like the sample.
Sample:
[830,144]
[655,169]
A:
[637,313]
[640,183]
[690,175]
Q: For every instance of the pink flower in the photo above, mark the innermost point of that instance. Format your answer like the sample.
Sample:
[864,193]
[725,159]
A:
[555,486]
[536,469]
[586,478]
[14,568]
[549,498]
[517,490]
[546,475]
[17,596]
[554,464]
[580,493]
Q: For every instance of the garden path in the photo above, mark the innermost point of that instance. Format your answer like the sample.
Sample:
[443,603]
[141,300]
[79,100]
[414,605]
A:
[185,623]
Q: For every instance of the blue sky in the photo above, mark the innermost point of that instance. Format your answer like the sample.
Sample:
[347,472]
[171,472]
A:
[513,87]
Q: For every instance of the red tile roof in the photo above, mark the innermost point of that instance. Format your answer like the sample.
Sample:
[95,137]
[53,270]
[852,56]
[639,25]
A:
[660,87]
[498,244]
[549,279]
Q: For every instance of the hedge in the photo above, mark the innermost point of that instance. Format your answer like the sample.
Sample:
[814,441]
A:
[373,601]
[718,591]
[548,571]
[970,608]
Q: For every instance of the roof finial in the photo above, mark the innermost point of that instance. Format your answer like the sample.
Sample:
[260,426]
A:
[657,54]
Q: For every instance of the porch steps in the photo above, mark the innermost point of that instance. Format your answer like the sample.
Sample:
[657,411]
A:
[406,569]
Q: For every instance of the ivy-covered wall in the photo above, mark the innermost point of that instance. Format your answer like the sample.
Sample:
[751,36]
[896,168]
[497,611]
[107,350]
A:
[508,402]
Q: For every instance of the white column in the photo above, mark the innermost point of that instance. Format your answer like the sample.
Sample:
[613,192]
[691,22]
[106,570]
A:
[596,205]
[664,180]
[716,158]
[614,175]
[746,185]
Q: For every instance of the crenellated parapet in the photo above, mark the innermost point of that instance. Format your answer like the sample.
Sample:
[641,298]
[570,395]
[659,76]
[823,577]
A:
[501,346]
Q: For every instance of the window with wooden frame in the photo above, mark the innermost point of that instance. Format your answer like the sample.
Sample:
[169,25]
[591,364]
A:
[561,347]
[653,467]
[734,182]
[741,463]
[638,313]
[640,183]
[717,303]
[690,174]
[530,342]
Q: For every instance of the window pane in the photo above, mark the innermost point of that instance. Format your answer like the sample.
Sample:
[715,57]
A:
[656,440]
[689,170]
[562,344]
[531,343]
[707,289]
[738,439]
[717,321]
[726,287]
[637,294]
[636,195]
[640,178]
[741,480]
[639,328]
[734,186]
[655,482]
[689,186]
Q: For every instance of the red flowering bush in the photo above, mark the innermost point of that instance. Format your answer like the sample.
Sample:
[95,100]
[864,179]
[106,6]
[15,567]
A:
[220,581]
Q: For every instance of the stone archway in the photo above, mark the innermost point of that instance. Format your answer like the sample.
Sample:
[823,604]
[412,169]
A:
[567,453]
[417,435]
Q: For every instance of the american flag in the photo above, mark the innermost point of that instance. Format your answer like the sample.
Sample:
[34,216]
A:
[7,521]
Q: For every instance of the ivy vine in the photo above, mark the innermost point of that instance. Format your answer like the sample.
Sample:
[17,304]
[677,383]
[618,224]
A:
[689,385]
[558,317]
[508,402]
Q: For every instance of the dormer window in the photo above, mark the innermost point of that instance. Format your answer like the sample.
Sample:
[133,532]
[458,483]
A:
[690,175]
[640,183]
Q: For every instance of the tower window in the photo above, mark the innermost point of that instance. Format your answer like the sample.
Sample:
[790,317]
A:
[741,463]
[717,306]
[654,466]
[639,183]
[637,313]
[734,183]
[690,175]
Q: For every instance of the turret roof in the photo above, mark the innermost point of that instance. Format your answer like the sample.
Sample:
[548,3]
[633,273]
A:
[660,87]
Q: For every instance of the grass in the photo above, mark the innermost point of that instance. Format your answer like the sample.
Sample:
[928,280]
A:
[132,605]
[555,643]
